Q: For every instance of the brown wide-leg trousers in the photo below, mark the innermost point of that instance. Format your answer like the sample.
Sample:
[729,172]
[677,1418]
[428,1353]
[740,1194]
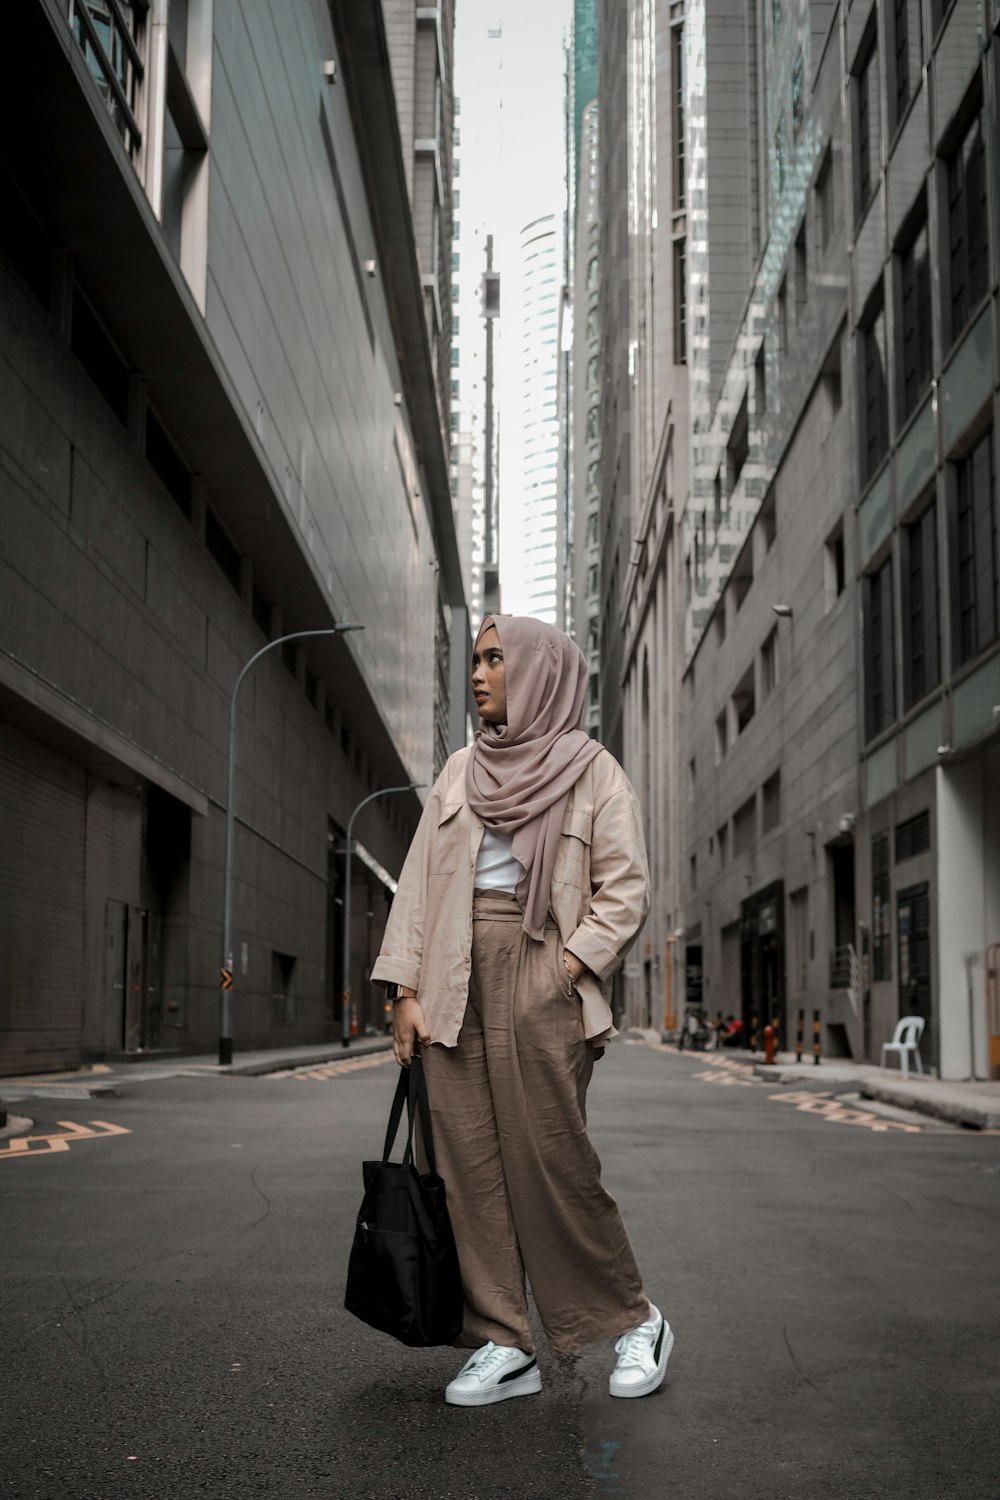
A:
[523,1181]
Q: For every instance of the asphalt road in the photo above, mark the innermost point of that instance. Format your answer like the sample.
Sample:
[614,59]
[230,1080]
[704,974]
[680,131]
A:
[171,1322]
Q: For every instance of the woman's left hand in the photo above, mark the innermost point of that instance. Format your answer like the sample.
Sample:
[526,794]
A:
[574,966]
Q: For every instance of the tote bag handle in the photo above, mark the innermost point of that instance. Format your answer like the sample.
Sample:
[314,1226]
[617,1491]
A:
[411,1090]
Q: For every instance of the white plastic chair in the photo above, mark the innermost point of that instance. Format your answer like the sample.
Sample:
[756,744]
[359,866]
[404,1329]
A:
[906,1039]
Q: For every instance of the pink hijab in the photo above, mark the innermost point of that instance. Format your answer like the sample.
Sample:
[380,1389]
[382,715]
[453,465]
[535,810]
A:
[520,773]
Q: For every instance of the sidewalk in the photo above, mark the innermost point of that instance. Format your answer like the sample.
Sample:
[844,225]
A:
[105,1080]
[973,1103]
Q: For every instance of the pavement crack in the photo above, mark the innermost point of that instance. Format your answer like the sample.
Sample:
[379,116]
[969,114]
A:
[807,1378]
[267,1202]
[83,1347]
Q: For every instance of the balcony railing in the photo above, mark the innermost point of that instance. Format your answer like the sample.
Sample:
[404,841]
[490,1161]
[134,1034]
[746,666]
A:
[110,34]
[845,974]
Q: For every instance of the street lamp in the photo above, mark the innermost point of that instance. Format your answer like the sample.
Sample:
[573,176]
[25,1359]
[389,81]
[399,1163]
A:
[345,990]
[226,975]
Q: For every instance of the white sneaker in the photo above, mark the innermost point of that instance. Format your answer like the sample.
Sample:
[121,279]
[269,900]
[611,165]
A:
[642,1357]
[494,1373]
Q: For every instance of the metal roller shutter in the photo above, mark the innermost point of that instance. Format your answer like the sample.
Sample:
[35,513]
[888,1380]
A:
[42,820]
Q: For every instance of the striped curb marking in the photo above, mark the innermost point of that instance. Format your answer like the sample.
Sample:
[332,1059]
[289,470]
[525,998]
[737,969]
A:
[333,1070]
[829,1108]
[20,1146]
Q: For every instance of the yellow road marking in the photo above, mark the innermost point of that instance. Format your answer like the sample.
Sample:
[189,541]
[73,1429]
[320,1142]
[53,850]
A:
[829,1108]
[333,1069]
[20,1146]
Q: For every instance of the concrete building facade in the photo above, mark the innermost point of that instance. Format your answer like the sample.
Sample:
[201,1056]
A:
[652,601]
[841,558]
[223,263]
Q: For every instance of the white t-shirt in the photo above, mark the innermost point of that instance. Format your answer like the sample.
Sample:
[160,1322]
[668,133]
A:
[496,867]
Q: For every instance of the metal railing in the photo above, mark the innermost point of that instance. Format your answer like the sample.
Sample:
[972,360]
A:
[845,974]
[109,34]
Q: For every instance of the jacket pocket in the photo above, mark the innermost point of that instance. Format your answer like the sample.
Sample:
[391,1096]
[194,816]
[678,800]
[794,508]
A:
[572,866]
[445,851]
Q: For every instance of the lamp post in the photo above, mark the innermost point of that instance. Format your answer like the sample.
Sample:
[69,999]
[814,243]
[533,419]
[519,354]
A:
[345,990]
[226,975]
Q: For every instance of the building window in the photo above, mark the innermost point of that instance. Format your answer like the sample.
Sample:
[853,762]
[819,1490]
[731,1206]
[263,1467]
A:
[834,567]
[866,131]
[975,551]
[226,554]
[768,520]
[775,15]
[760,383]
[693,865]
[915,318]
[780,154]
[968,250]
[167,464]
[721,736]
[722,844]
[677,42]
[771,802]
[260,608]
[801,274]
[744,700]
[798,94]
[921,639]
[719,619]
[744,827]
[913,836]
[824,200]
[879,646]
[899,54]
[98,355]
[783,316]
[680,302]
[738,446]
[881,908]
[874,406]
[769,664]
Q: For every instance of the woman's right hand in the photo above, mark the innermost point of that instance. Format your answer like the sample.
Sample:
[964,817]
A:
[408,1026]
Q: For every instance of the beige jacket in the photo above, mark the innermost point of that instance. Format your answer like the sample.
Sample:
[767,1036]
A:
[600,895]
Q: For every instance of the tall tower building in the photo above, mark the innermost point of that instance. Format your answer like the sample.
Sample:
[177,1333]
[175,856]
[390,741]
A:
[473,291]
[539,287]
[586,415]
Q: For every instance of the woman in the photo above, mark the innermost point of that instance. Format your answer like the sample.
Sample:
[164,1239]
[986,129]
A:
[524,887]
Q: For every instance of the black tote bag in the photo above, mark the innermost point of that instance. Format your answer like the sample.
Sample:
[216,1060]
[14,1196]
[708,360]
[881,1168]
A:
[403,1275]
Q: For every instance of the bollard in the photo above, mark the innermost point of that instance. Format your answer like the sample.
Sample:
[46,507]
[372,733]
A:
[770,1043]
[816,1048]
[753,1031]
[800,1036]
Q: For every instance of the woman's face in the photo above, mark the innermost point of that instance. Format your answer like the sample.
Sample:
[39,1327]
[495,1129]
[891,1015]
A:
[489,685]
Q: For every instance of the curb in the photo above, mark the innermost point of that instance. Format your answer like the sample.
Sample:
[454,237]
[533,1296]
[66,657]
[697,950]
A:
[955,1111]
[333,1053]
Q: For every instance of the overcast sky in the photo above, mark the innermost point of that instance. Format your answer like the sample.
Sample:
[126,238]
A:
[519,123]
